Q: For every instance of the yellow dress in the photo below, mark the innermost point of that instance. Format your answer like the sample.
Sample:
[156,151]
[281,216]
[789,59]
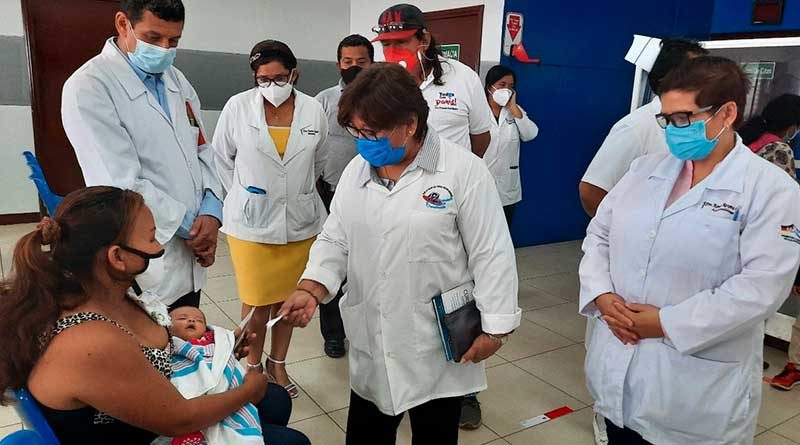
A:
[268,273]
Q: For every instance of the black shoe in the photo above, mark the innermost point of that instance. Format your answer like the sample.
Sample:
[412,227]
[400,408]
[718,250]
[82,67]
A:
[334,348]
[470,413]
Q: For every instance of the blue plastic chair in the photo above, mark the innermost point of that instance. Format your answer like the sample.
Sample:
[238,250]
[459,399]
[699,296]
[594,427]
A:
[50,199]
[37,431]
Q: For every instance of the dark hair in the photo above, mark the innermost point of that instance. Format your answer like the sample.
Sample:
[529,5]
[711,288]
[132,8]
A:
[270,51]
[496,73]
[431,59]
[384,96]
[780,113]
[169,10]
[673,53]
[716,80]
[352,41]
[43,283]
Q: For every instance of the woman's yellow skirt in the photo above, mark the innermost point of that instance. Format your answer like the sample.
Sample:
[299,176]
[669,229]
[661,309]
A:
[267,273]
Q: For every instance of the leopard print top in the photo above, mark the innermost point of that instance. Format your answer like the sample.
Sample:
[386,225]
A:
[159,358]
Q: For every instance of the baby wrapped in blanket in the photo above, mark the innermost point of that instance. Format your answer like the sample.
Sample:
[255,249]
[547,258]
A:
[203,363]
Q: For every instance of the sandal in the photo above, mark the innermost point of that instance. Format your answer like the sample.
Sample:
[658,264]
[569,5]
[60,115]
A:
[291,388]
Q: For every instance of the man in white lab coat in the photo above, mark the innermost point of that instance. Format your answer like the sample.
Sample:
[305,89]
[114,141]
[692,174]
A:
[134,122]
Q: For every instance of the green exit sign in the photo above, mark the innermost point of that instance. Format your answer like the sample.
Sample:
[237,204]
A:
[451,51]
[759,70]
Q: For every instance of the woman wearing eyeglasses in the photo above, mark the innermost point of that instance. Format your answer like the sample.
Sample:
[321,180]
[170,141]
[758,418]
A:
[687,257]
[413,216]
[267,144]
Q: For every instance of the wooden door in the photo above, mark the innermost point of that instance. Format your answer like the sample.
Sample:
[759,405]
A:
[462,27]
[61,36]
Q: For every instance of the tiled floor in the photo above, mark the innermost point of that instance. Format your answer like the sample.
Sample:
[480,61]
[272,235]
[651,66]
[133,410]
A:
[541,367]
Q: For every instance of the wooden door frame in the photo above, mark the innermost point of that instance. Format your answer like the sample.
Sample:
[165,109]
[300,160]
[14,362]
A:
[466,11]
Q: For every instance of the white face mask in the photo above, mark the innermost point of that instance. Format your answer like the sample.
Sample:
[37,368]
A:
[501,96]
[277,95]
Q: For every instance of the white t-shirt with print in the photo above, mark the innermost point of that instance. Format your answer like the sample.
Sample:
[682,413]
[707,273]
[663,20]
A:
[459,107]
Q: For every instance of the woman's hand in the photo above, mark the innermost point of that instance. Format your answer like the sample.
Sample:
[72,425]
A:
[646,319]
[256,385]
[513,107]
[298,309]
[482,348]
[243,348]
[620,325]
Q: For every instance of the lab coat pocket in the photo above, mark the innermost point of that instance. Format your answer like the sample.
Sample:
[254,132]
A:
[426,329]
[692,395]
[715,240]
[354,319]
[433,236]
[304,213]
[255,209]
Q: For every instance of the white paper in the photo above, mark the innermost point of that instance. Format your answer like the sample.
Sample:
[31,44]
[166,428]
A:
[457,297]
[538,420]
[242,325]
[644,51]
[272,322]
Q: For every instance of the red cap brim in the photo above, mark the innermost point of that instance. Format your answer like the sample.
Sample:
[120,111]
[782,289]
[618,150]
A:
[395,35]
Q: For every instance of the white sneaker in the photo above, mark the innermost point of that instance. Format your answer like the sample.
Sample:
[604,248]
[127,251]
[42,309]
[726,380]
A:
[599,426]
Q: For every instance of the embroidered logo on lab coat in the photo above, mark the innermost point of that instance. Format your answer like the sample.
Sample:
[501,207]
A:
[308,131]
[437,197]
[790,233]
[447,101]
[716,207]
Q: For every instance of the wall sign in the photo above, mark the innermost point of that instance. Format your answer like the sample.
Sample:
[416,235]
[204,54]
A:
[451,50]
[512,31]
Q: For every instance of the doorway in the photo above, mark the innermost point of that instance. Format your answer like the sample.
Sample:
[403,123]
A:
[61,36]
[458,31]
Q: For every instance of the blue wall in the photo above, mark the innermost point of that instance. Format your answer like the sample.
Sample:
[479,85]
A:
[581,88]
[733,16]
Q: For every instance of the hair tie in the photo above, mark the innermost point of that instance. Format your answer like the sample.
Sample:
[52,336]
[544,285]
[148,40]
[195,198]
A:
[50,230]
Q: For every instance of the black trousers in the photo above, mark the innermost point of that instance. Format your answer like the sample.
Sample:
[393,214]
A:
[330,319]
[509,212]
[434,422]
[190,299]
[623,436]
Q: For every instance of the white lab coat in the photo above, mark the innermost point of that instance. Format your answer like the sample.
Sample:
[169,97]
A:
[502,156]
[716,277]
[122,137]
[291,210]
[397,253]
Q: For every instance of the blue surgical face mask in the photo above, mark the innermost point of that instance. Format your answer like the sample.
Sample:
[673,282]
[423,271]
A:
[789,139]
[690,143]
[380,153]
[151,58]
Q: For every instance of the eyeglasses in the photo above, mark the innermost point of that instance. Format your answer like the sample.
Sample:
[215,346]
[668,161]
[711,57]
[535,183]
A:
[370,135]
[264,81]
[680,119]
[392,27]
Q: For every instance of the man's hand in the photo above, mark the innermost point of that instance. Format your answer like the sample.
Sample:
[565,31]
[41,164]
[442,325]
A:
[620,325]
[243,348]
[646,319]
[482,348]
[203,239]
[298,309]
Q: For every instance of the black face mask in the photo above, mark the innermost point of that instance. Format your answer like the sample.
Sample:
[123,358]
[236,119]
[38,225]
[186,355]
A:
[143,255]
[349,74]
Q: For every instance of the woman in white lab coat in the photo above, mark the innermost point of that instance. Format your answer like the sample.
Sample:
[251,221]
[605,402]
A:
[267,144]
[511,126]
[414,216]
[687,257]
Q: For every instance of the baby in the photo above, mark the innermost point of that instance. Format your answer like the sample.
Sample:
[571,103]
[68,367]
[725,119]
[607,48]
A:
[203,363]
[189,323]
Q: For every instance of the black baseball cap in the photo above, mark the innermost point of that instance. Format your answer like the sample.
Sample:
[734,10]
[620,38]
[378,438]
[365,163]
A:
[399,22]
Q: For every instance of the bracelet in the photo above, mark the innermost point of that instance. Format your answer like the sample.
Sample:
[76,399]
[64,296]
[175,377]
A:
[502,338]
[309,293]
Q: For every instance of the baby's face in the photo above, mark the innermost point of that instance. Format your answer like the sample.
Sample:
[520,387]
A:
[188,323]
